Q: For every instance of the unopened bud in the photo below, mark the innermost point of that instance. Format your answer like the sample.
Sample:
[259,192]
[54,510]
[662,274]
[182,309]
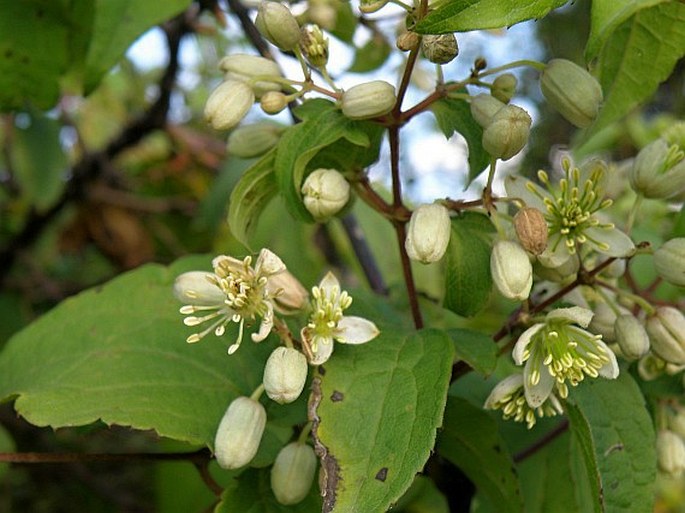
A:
[669,261]
[511,270]
[253,140]
[194,288]
[631,337]
[228,104]
[659,171]
[285,374]
[239,433]
[368,100]
[439,48]
[484,107]
[247,68]
[277,24]
[428,233]
[325,192]
[293,473]
[314,46]
[504,87]
[604,322]
[666,330]
[670,452]
[273,102]
[289,296]
[531,229]
[572,91]
[371,6]
[408,41]
[507,133]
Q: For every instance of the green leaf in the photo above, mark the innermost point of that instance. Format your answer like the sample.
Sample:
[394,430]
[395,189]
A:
[117,353]
[117,24]
[470,440]
[605,16]
[377,408]
[249,197]
[38,160]
[422,496]
[371,56]
[464,15]
[475,348]
[617,441]
[467,272]
[454,115]
[640,54]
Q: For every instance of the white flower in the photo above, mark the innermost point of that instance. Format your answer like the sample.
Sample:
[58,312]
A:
[557,352]
[327,322]
[508,396]
[571,212]
[234,292]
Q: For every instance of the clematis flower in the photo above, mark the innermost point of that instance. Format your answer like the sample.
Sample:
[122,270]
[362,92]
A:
[558,352]
[327,322]
[572,212]
[234,292]
[508,396]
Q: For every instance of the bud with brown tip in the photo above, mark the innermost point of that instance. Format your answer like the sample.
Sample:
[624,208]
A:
[531,229]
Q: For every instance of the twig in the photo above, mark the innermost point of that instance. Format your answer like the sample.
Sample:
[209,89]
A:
[364,255]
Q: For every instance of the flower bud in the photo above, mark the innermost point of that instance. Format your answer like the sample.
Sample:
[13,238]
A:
[325,192]
[631,336]
[650,367]
[228,104]
[439,48]
[428,233]
[245,68]
[293,473]
[511,270]
[666,330]
[484,107]
[239,433]
[277,24]
[371,6]
[194,288]
[669,261]
[273,102]
[531,230]
[572,91]
[253,140]
[504,87]
[285,374]
[314,46]
[604,322]
[670,452]
[368,100]
[407,41]
[508,132]
[289,296]
[659,171]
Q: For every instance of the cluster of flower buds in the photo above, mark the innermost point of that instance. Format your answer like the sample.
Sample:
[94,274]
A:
[506,127]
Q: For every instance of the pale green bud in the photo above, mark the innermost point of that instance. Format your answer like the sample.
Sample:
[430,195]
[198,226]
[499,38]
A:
[439,48]
[325,192]
[194,288]
[531,230]
[277,24]
[239,433]
[285,374]
[504,87]
[659,171]
[246,68]
[371,6]
[631,336]
[669,261]
[572,91]
[228,104]
[666,330]
[314,46]
[428,233]
[511,270]
[408,41]
[507,133]
[293,473]
[670,452]
[253,140]
[604,322]
[484,107]
[273,102]
[368,100]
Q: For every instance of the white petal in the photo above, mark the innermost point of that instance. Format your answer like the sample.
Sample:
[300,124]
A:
[620,245]
[610,369]
[574,314]
[229,262]
[329,283]
[556,253]
[268,263]
[355,330]
[523,341]
[265,326]
[194,288]
[517,187]
[324,350]
[507,386]
[537,394]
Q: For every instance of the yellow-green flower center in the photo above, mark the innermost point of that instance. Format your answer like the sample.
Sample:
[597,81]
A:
[328,307]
